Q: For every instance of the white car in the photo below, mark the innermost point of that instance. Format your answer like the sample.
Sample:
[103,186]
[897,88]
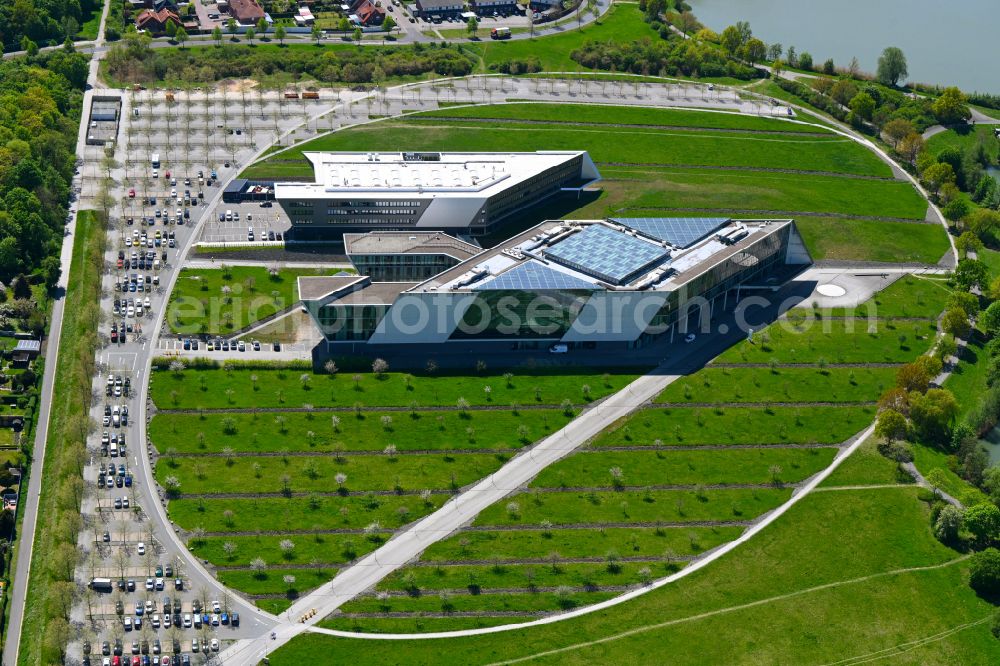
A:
[215,645]
[187,619]
[690,337]
[156,621]
[149,584]
[216,607]
[141,549]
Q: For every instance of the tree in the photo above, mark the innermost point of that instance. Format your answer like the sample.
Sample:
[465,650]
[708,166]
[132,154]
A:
[388,24]
[687,22]
[896,129]
[181,35]
[984,572]
[29,47]
[755,51]
[472,26]
[317,33]
[969,242]
[983,522]
[937,176]
[250,35]
[262,27]
[932,414]
[806,61]
[956,322]
[357,36]
[972,273]
[891,426]
[279,32]
[170,28]
[217,35]
[948,524]
[892,66]
[380,367]
[950,108]
[990,319]
[843,91]
[232,27]
[731,40]
[828,67]
[910,146]
[863,105]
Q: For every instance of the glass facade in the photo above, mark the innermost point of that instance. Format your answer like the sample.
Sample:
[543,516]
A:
[520,314]
[402,267]
[349,321]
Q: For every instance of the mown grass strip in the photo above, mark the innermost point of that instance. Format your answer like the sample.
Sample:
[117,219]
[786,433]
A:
[780,385]
[277,388]
[52,588]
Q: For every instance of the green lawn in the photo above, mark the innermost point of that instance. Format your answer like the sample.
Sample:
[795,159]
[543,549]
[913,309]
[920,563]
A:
[870,240]
[592,542]
[261,432]
[607,144]
[326,549]
[867,467]
[198,303]
[780,385]
[217,388]
[682,466]
[416,624]
[835,341]
[298,513]
[309,474]
[992,259]
[51,591]
[968,380]
[624,115]
[530,602]
[932,461]
[966,138]
[829,538]
[909,297]
[738,425]
[635,506]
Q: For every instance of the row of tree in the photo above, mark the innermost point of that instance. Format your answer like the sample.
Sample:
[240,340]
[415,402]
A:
[133,60]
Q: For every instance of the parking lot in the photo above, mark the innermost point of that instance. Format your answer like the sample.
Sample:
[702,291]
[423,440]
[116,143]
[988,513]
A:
[254,222]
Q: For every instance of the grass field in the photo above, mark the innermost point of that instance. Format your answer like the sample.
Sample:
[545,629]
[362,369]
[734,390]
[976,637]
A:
[771,608]
[835,341]
[870,240]
[966,138]
[221,389]
[598,115]
[442,431]
[50,594]
[220,301]
[668,162]
[781,384]
[738,425]
[650,492]
[609,144]
[908,297]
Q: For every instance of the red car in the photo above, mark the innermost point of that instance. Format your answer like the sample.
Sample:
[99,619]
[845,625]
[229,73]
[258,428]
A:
[131,193]
[168,175]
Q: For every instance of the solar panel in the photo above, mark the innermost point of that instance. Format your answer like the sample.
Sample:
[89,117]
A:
[680,232]
[532,276]
[607,254]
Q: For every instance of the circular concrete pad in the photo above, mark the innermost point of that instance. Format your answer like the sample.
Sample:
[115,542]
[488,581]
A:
[831,290]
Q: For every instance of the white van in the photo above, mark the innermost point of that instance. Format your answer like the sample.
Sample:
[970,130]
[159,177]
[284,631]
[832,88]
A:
[229,215]
[558,349]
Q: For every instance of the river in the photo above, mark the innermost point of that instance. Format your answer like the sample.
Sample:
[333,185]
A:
[953,43]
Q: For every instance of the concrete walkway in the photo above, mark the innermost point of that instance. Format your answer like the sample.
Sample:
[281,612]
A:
[409,544]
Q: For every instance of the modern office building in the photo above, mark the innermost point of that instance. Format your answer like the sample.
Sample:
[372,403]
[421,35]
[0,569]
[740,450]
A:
[459,193]
[615,283]
[394,256]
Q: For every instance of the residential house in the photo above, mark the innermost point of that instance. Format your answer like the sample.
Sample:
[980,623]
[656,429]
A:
[367,14]
[156,22]
[437,7]
[246,12]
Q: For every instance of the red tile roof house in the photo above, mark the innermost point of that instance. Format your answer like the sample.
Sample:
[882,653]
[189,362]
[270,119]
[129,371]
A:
[246,12]
[156,22]
[369,14]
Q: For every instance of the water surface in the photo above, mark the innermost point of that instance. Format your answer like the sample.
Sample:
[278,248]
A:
[953,43]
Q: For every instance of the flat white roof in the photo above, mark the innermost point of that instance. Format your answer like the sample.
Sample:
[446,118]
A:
[398,175]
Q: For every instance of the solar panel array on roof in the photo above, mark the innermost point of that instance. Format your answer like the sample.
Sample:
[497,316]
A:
[532,276]
[680,232]
[607,254]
